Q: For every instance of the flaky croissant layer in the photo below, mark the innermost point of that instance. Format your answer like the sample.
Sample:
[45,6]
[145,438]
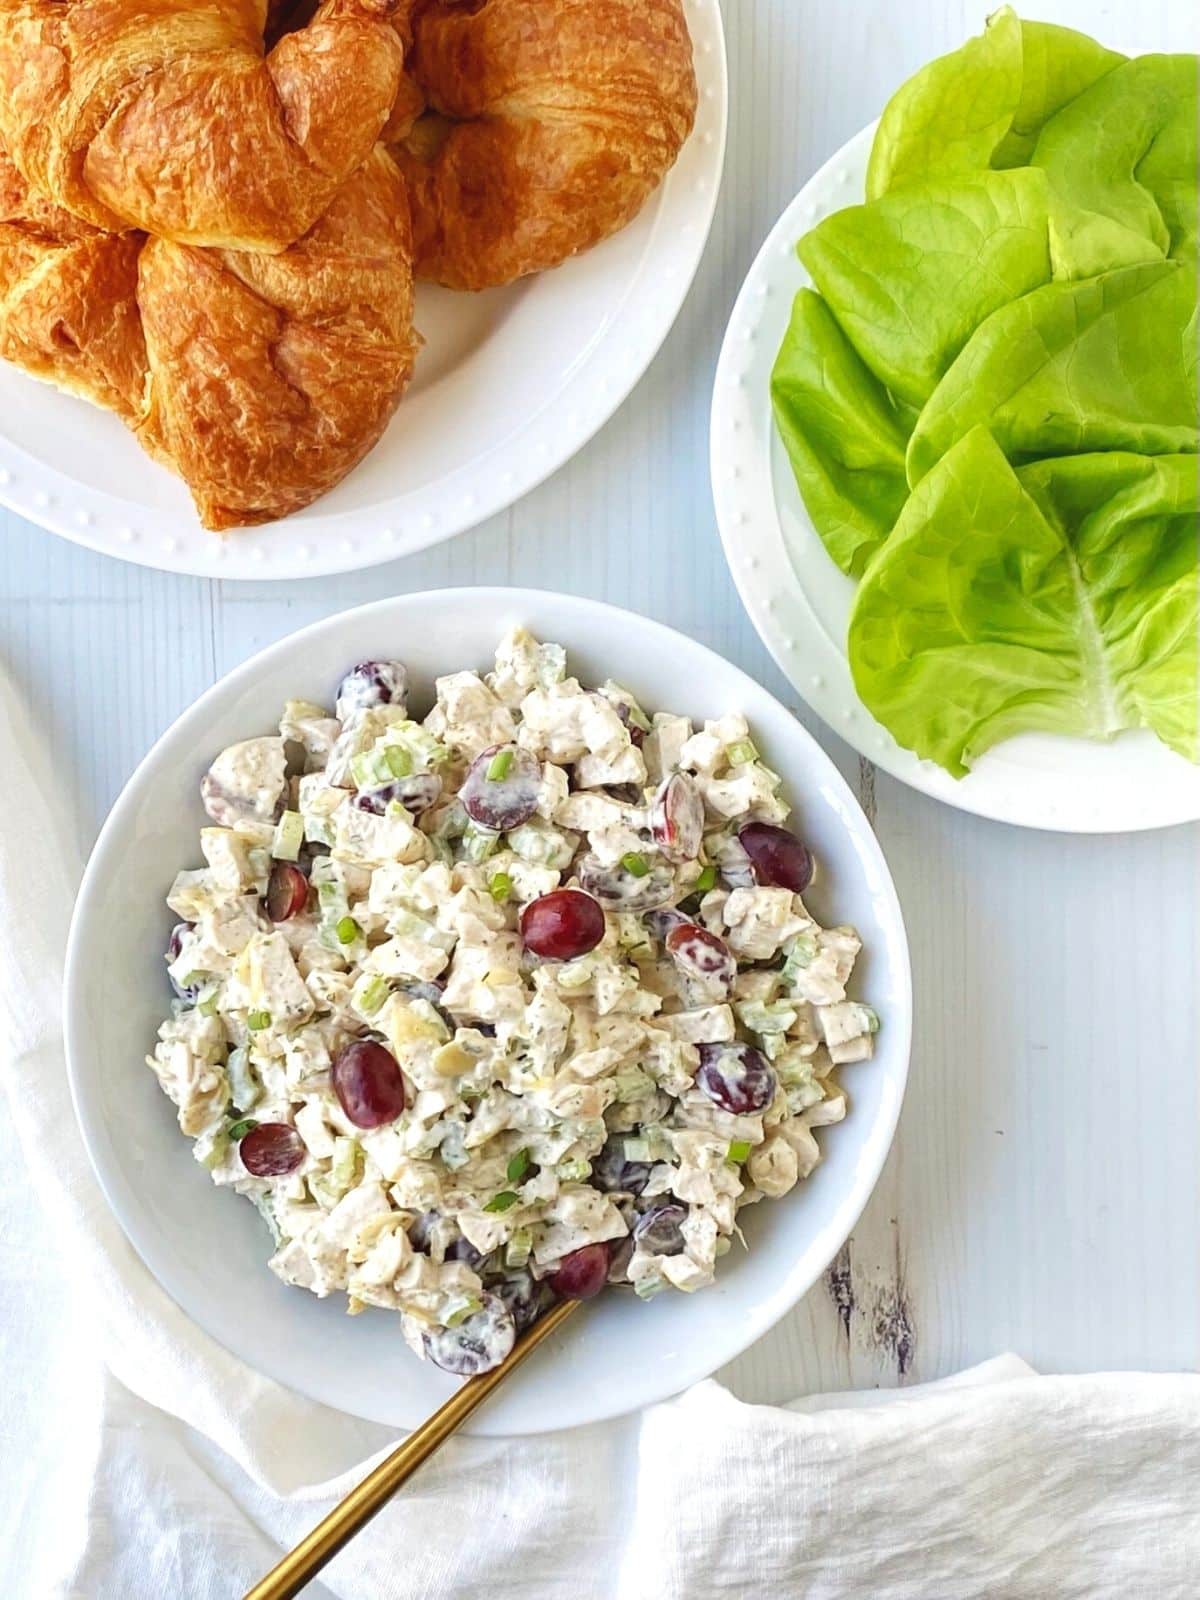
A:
[165,115]
[261,379]
[551,123]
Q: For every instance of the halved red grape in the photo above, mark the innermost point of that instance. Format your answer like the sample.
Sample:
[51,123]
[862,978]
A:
[736,1077]
[187,992]
[271,1150]
[612,1173]
[618,889]
[701,954]
[369,1084]
[287,892]
[677,818]
[415,794]
[524,1296]
[501,789]
[659,1230]
[370,684]
[778,857]
[562,925]
[582,1274]
[477,1344]
[661,923]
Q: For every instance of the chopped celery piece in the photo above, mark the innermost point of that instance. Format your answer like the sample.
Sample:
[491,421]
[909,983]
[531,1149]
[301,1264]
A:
[647,1288]
[738,1151]
[369,994]
[289,836]
[638,1150]
[399,761]
[347,930]
[243,1081]
[741,753]
[577,1171]
[344,1171]
[635,864]
[500,888]
[479,843]
[466,1307]
[208,1004]
[519,1248]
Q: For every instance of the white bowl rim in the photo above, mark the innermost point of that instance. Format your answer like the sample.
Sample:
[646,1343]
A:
[756,1320]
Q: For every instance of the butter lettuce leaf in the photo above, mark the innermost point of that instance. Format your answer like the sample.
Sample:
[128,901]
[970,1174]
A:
[1108,363]
[1125,150]
[1057,65]
[912,276]
[844,436]
[952,115]
[1060,597]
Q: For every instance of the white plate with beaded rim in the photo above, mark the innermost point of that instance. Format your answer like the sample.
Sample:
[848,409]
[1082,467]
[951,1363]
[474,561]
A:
[510,384]
[799,601]
[209,1249]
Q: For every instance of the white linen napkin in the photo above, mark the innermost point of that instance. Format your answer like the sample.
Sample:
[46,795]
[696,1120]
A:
[142,1460]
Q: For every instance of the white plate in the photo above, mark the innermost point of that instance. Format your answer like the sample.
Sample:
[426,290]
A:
[800,602]
[510,384]
[208,1247]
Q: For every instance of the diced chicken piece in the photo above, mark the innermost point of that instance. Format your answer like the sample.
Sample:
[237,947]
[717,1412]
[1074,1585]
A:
[468,716]
[709,1025]
[246,782]
[760,922]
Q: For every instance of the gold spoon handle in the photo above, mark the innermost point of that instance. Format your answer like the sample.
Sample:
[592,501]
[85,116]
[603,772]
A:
[378,1487]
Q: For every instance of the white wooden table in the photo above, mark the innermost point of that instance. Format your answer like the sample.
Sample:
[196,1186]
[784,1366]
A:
[1044,1191]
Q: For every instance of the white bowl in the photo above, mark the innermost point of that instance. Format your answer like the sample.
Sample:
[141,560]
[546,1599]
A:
[800,602]
[208,1247]
[509,385]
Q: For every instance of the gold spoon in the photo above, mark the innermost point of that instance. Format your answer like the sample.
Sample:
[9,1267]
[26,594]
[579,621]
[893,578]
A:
[377,1488]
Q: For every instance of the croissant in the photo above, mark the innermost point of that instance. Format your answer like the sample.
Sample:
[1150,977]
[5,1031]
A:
[550,124]
[68,300]
[261,379]
[165,115]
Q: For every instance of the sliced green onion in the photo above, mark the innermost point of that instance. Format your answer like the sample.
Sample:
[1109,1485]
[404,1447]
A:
[635,864]
[347,930]
[239,1130]
[738,1151]
[499,765]
[517,1167]
[399,762]
[707,880]
[501,888]
[256,1021]
[289,836]
[504,1201]
[741,752]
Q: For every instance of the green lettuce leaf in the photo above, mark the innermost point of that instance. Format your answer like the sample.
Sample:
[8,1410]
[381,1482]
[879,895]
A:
[910,277]
[952,115]
[1125,151]
[1060,597]
[843,435]
[1103,364]
[1057,64]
